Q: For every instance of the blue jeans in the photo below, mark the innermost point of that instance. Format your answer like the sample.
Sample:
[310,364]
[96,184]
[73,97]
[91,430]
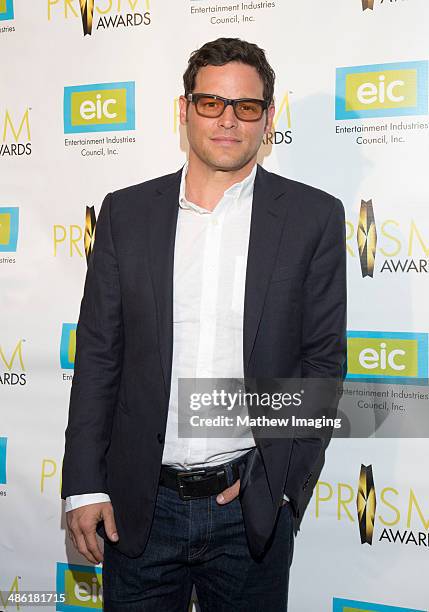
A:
[199,542]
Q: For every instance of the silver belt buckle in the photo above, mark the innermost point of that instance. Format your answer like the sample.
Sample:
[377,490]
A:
[181,481]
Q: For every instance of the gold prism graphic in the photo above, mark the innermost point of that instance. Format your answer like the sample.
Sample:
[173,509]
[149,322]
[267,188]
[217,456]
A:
[367,238]
[87,12]
[89,236]
[366,504]
[367,4]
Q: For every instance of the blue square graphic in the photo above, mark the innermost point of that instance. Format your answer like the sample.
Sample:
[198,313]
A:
[9,227]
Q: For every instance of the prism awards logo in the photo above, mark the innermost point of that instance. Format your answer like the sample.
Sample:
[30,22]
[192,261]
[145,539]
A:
[9,224]
[366,504]
[87,13]
[12,364]
[82,587]
[367,4]
[15,133]
[68,346]
[76,239]
[101,15]
[102,107]
[382,90]
[89,237]
[6,10]
[349,605]
[3,448]
[367,238]
[387,357]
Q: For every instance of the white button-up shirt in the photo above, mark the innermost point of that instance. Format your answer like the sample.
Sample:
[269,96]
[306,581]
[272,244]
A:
[208,301]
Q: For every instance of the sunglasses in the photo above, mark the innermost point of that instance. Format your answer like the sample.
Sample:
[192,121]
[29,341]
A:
[211,106]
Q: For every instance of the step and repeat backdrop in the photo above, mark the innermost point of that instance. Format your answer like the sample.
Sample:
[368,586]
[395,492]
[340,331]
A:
[89,104]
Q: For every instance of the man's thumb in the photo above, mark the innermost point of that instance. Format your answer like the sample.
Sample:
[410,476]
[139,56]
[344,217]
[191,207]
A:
[109,524]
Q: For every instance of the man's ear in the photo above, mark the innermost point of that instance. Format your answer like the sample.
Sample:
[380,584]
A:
[183,110]
[270,116]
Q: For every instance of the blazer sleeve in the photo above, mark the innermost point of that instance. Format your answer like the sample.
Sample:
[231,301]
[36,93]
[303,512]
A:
[325,303]
[98,366]
[323,347]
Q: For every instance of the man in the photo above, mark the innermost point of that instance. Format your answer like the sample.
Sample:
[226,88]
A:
[221,269]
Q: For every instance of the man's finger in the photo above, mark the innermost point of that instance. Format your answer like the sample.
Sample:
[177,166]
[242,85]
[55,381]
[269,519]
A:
[109,523]
[72,538]
[83,549]
[92,545]
[229,494]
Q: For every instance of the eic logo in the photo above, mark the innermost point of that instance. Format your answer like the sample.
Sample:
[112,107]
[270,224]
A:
[82,586]
[9,223]
[6,10]
[382,90]
[387,357]
[102,107]
[349,605]
[68,346]
[3,448]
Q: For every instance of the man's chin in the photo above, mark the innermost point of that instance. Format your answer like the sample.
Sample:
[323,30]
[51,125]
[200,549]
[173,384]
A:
[228,164]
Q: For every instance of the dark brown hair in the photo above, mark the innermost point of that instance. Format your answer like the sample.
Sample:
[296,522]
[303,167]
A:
[224,50]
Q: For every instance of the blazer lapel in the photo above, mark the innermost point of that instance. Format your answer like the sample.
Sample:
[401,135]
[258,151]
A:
[162,235]
[267,222]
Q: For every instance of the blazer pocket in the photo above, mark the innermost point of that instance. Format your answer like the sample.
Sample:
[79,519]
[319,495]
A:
[285,272]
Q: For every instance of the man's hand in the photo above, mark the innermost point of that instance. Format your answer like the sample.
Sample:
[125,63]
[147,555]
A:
[81,524]
[229,494]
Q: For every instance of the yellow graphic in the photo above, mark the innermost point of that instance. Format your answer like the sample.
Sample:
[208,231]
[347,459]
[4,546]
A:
[5,595]
[367,238]
[3,6]
[381,89]
[83,589]
[283,108]
[10,126]
[71,235]
[367,4]
[72,346]
[4,228]
[89,238]
[87,12]
[50,469]
[382,356]
[99,106]
[366,504]
[394,507]
[17,353]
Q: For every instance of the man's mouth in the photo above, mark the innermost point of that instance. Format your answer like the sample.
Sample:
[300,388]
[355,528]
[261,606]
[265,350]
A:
[226,140]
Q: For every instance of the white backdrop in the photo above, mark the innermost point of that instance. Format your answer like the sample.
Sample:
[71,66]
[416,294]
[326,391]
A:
[49,176]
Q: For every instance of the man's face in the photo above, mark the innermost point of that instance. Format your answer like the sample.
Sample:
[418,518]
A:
[226,143]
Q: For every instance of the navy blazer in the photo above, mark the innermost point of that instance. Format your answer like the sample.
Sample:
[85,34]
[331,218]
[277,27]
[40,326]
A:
[294,326]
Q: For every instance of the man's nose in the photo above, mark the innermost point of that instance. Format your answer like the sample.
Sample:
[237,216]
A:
[228,118]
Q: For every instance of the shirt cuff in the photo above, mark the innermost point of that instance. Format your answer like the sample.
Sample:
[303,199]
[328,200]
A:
[76,501]
[285,497]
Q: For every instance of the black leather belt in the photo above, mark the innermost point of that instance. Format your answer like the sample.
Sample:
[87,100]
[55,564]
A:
[202,482]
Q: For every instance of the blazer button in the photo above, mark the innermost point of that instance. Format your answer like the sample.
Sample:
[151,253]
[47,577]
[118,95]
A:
[159,438]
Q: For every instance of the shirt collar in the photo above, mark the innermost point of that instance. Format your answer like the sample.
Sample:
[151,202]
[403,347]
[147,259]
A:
[238,192]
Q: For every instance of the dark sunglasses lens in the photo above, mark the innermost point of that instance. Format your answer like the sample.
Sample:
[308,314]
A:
[210,107]
[249,110]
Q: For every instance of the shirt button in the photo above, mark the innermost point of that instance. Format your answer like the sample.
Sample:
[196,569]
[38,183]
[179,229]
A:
[215,222]
[159,438]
